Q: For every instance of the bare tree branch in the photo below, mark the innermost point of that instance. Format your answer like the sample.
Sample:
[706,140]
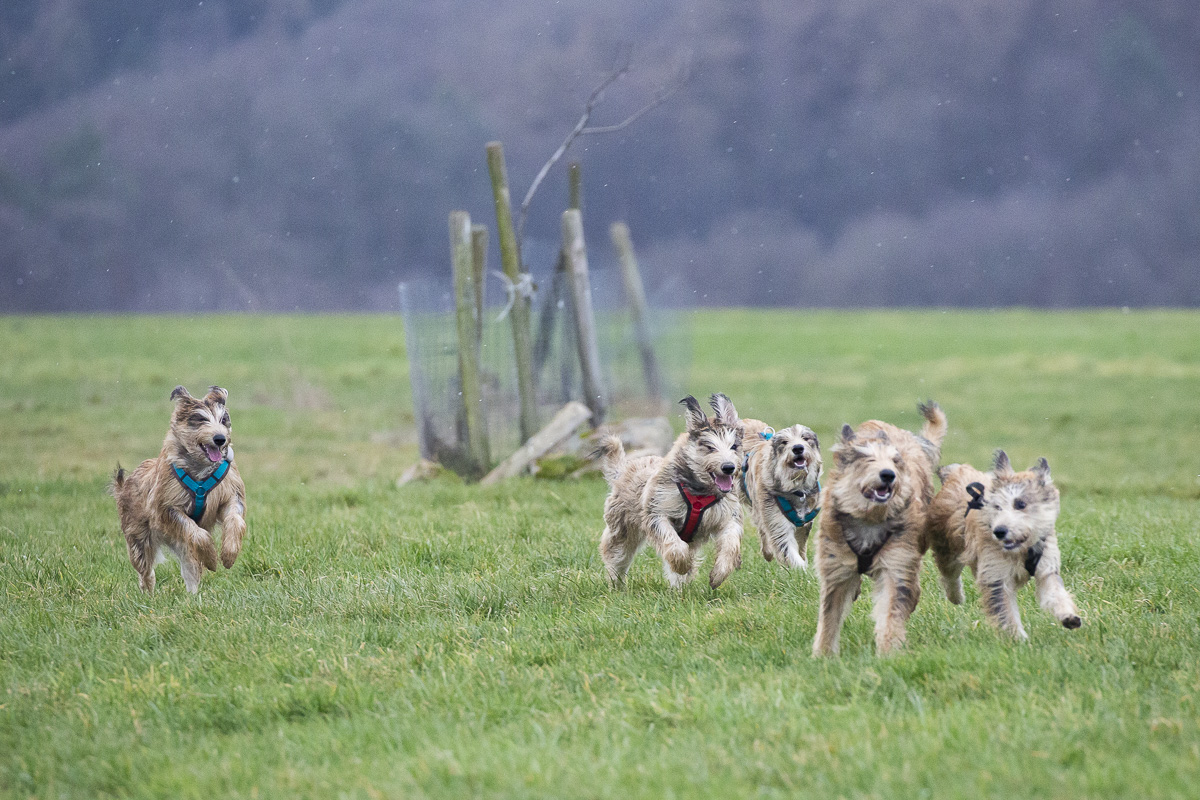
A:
[581,127]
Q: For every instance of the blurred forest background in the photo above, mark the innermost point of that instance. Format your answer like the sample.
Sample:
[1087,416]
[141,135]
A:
[303,154]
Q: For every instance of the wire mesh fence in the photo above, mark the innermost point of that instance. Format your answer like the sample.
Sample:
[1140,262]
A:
[427,307]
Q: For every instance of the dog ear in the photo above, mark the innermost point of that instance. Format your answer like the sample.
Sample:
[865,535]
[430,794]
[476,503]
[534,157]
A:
[722,406]
[179,392]
[1042,470]
[693,414]
[1001,464]
[217,395]
[847,433]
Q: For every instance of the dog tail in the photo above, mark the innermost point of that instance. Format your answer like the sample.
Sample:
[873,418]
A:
[944,473]
[935,424]
[118,480]
[611,455]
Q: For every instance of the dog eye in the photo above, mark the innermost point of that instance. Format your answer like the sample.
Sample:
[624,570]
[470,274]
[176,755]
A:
[197,419]
[225,420]
[735,447]
[1019,504]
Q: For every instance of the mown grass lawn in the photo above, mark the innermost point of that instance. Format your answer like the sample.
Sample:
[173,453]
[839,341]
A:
[442,640]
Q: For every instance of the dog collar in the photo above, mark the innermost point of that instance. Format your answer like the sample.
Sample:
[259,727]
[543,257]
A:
[976,492]
[199,489]
[697,504]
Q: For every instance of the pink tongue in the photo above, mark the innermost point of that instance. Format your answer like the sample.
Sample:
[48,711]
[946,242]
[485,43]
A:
[213,453]
[724,482]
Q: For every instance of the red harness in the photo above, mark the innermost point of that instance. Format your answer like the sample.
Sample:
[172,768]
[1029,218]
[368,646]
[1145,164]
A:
[697,504]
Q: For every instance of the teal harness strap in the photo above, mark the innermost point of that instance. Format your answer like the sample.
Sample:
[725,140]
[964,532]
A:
[200,489]
[790,511]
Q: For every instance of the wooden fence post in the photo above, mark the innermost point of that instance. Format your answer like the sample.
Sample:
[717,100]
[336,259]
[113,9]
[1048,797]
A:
[510,261]
[575,252]
[468,345]
[635,293]
[479,243]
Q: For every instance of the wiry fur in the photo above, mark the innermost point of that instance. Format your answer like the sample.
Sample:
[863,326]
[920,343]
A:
[1019,512]
[153,505]
[861,512]
[645,504]
[786,464]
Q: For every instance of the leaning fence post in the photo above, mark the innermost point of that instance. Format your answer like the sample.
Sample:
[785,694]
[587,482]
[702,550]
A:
[635,293]
[510,262]
[468,344]
[479,243]
[575,252]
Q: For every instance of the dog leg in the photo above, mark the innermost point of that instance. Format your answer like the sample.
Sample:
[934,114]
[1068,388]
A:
[673,550]
[142,555]
[233,529]
[617,552]
[190,568]
[728,547]
[791,552]
[1053,596]
[838,592]
[1000,605]
[949,574]
[199,540]
[678,580]
[894,598]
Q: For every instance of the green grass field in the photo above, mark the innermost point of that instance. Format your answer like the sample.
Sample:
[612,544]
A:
[442,640]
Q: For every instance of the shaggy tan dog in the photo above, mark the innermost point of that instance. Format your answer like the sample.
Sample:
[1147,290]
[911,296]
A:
[679,501]
[873,523]
[781,485]
[177,499]
[1001,525]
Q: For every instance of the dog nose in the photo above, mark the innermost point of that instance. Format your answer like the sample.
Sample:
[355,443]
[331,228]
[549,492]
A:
[728,468]
[798,449]
[887,476]
[1000,531]
[219,440]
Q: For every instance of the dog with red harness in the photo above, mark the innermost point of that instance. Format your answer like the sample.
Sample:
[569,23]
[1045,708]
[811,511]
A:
[677,502]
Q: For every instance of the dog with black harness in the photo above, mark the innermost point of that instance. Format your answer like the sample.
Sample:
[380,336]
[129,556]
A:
[1001,524]
[873,523]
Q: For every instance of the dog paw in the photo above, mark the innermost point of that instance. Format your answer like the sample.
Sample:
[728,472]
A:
[680,559]
[227,559]
[1072,622]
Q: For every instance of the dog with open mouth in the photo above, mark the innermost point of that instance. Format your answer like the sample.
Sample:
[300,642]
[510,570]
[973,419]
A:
[177,500]
[781,484]
[1001,524]
[679,501]
[873,523]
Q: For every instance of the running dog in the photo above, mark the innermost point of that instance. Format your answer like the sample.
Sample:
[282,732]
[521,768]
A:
[179,498]
[873,523]
[1001,525]
[781,484]
[679,501]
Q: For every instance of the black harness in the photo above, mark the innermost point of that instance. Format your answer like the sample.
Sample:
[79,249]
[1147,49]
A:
[866,556]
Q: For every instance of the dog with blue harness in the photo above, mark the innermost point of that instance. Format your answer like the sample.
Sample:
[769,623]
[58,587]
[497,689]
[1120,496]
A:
[177,501]
[781,485]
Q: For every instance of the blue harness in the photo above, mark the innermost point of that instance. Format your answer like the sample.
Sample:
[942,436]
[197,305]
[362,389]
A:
[785,505]
[200,489]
